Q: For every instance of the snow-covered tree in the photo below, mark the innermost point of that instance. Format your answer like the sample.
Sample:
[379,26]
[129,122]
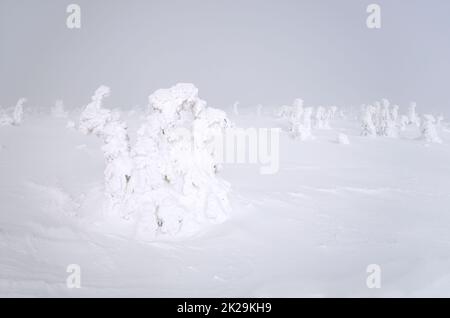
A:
[412,115]
[333,112]
[439,120]
[404,122]
[17,116]
[394,113]
[429,132]
[259,109]
[301,127]
[236,108]
[319,118]
[175,182]
[58,111]
[342,139]
[284,112]
[387,126]
[70,124]
[5,119]
[367,122]
[107,125]
[378,120]
[296,110]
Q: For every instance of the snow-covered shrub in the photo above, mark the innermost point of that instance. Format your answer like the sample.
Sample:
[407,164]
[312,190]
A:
[429,132]
[58,111]
[342,139]
[414,119]
[367,123]
[106,124]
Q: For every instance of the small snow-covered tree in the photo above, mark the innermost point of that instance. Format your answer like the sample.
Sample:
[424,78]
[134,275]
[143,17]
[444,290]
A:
[17,117]
[58,111]
[429,132]
[259,109]
[404,122]
[387,126]
[319,117]
[284,112]
[367,123]
[394,113]
[5,119]
[333,112]
[236,108]
[301,127]
[439,120]
[342,139]
[414,119]
[296,110]
[107,125]
[327,116]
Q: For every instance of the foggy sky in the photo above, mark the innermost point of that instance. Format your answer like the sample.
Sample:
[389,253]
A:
[255,51]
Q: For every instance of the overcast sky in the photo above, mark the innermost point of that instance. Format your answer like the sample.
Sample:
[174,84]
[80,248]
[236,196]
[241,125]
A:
[254,51]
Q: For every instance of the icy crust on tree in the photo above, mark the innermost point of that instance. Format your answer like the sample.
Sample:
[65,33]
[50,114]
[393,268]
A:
[167,182]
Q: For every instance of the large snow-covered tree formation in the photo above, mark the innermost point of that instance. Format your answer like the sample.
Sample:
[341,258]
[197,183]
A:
[167,182]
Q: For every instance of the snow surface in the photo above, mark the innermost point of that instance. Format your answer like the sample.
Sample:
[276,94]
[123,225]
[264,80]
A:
[309,230]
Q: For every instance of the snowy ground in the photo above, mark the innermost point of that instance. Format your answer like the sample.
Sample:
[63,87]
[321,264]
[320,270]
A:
[310,230]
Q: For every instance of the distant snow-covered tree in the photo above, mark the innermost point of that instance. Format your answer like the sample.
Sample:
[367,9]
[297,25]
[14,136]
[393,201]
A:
[342,139]
[17,116]
[387,126]
[236,108]
[58,110]
[284,111]
[5,119]
[439,120]
[414,119]
[319,118]
[394,112]
[333,112]
[301,126]
[367,122]
[259,109]
[404,122]
[429,132]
